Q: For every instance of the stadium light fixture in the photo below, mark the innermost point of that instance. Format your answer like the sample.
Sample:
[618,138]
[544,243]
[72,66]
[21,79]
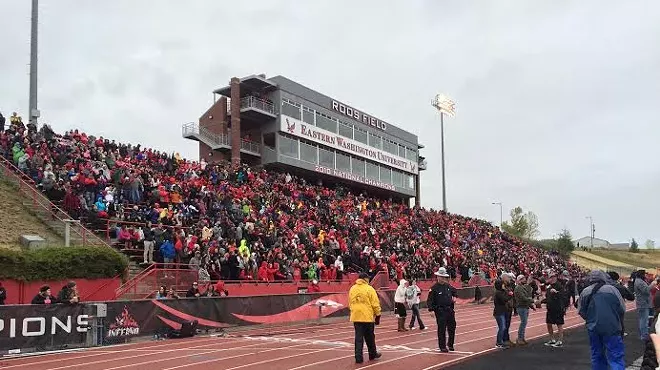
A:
[447,106]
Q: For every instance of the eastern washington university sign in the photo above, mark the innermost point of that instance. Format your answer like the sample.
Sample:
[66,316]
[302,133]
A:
[303,130]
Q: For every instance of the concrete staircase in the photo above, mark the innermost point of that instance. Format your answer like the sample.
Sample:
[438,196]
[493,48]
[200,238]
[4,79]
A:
[39,205]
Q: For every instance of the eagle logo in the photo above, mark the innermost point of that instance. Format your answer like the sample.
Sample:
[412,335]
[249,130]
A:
[291,127]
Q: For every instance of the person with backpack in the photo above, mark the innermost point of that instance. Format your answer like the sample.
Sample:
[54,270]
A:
[602,307]
[413,294]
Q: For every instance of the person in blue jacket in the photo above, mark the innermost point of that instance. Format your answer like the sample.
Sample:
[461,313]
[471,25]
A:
[168,252]
[602,307]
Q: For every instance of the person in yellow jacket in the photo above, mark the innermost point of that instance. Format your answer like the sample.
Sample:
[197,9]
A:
[365,314]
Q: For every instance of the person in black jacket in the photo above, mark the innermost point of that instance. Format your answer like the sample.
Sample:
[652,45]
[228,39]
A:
[502,303]
[650,358]
[555,302]
[69,294]
[441,302]
[3,294]
[625,293]
[44,296]
[193,292]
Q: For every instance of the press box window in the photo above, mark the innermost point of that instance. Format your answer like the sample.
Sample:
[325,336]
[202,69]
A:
[343,162]
[307,115]
[357,166]
[291,110]
[289,147]
[309,153]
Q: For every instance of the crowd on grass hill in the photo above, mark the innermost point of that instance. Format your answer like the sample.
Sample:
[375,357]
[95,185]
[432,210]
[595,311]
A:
[237,222]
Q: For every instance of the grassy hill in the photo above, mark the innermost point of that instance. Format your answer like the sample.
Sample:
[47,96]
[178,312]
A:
[646,258]
[16,220]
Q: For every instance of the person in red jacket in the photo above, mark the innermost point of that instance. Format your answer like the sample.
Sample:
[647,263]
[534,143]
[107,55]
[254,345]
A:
[262,274]
[314,287]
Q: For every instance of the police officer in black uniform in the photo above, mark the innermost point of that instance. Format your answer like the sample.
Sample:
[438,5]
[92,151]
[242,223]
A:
[441,302]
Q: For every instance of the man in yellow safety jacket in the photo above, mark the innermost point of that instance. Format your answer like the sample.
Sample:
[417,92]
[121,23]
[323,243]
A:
[365,314]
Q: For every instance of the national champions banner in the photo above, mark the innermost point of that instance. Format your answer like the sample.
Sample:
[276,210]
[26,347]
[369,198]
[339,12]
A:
[42,327]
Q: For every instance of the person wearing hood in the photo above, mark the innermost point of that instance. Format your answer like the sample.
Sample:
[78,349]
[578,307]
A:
[602,307]
[365,314]
[643,303]
[400,304]
[441,302]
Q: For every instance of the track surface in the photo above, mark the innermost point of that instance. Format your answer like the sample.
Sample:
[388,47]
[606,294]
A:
[314,347]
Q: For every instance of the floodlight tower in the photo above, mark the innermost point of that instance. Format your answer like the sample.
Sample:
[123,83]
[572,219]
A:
[444,105]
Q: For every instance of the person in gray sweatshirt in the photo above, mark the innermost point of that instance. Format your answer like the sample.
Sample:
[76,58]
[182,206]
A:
[602,307]
[524,300]
[642,303]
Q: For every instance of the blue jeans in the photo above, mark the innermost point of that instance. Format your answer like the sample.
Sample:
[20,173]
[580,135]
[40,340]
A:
[606,351]
[501,328]
[643,314]
[523,313]
[415,314]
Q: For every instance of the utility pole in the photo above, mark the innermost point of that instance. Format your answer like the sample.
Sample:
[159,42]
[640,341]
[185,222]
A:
[33,111]
[592,231]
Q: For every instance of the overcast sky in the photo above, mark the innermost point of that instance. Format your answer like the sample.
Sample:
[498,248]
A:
[557,101]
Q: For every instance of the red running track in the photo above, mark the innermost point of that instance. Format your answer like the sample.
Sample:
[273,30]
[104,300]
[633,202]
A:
[314,347]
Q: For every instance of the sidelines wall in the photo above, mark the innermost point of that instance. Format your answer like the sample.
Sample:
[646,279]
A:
[29,328]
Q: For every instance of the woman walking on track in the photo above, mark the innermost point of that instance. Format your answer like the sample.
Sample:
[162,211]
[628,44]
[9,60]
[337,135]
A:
[400,304]
[413,294]
[365,314]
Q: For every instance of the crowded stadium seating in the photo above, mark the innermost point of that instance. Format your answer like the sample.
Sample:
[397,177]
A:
[251,223]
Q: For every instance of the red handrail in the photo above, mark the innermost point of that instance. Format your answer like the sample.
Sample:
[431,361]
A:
[38,200]
[133,282]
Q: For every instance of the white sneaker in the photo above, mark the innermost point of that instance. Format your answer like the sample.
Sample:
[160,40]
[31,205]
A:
[550,343]
[558,344]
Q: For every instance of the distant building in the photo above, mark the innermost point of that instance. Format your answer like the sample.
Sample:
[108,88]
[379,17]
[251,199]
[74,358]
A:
[585,242]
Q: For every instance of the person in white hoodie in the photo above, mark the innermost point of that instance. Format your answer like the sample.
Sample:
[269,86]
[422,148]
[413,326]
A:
[413,294]
[400,304]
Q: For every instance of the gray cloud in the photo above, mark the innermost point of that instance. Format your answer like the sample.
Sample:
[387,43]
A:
[557,100]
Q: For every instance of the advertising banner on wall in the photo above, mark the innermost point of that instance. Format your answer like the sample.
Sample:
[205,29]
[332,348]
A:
[42,327]
[318,135]
[50,327]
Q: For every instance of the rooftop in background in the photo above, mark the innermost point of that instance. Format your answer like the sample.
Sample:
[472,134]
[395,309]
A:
[600,243]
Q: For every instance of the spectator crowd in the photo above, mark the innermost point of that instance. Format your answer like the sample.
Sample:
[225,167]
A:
[237,222]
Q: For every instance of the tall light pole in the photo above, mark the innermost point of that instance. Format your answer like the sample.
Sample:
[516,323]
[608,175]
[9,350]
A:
[501,213]
[592,230]
[445,106]
[33,112]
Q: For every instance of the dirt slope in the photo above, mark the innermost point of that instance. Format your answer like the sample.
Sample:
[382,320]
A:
[16,220]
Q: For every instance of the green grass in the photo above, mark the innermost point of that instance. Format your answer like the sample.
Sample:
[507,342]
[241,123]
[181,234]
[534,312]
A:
[648,259]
